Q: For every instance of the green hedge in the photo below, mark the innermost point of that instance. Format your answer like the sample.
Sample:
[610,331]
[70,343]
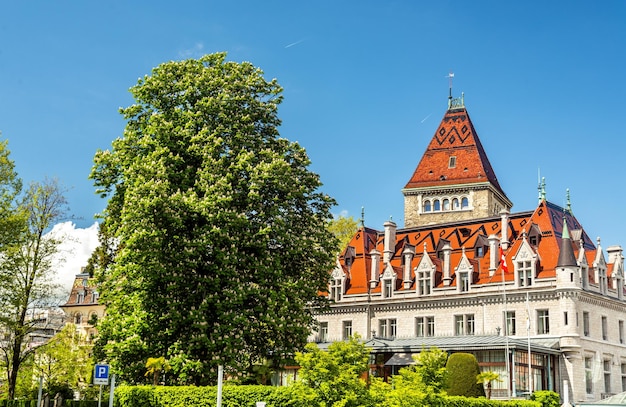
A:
[18,403]
[247,396]
[186,396]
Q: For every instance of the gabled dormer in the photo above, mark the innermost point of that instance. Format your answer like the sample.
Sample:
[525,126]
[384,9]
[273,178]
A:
[388,280]
[464,273]
[425,274]
[525,263]
[616,259]
[337,283]
[454,179]
[599,270]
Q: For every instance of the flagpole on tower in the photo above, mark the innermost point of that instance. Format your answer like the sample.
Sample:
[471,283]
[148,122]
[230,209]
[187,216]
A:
[450,76]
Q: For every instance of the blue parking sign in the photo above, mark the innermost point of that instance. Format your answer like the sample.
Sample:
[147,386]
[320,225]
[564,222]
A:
[101,374]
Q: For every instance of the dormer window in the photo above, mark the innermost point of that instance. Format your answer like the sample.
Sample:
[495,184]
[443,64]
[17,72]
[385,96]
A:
[387,288]
[336,289]
[525,273]
[452,162]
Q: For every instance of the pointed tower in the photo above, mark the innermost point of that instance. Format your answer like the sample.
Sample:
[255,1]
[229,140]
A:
[454,180]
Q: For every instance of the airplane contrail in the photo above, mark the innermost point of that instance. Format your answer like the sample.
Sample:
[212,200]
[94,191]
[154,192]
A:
[424,119]
[294,43]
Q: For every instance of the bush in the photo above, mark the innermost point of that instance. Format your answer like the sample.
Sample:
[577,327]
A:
[546,398]
[462,370]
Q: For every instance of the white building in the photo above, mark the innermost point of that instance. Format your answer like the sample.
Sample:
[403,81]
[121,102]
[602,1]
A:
[440,280]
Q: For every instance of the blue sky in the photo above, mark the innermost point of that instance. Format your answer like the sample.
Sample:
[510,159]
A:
[365,89]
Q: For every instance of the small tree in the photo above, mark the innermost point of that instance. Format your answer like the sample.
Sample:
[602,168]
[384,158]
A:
[26,272]
[486,378]
[154,367]
[344,229]
[333,377]
[462,370]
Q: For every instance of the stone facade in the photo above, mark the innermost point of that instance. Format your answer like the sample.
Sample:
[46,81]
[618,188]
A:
[529,293]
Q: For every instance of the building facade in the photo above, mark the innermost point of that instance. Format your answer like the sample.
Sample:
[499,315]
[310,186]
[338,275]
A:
[82,307]
[529,293]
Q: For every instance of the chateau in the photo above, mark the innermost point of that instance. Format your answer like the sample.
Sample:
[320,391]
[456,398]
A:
[530,294]
[82,308]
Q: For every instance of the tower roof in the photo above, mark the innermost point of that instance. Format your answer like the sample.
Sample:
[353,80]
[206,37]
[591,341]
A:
[454,156]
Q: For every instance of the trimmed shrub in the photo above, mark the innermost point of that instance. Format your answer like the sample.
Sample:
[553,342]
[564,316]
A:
[462,370]
[546,398]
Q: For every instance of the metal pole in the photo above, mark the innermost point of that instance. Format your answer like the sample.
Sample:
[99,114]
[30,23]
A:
[220,377]
[40,392]
[506,340]
[112,391]
[530,372]
[100,397]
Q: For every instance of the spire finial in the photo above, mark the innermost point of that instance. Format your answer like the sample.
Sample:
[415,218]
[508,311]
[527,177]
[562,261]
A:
[569,202]
[543,189]
[362,216]
[450,76]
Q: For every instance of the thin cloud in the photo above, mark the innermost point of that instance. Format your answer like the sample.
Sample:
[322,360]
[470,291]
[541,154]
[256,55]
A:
[295,43]
[194,52]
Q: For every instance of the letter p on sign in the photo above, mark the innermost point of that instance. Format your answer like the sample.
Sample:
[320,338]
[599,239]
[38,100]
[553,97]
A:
[101,375]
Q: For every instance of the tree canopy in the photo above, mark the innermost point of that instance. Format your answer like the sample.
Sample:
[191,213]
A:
[214,238]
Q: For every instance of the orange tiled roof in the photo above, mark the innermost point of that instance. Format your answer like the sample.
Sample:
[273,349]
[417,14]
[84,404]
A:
[546,221]
[455,137]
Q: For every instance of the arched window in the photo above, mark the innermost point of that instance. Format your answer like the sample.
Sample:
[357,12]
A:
[455,204]
[446,204]
[78,318]
[437,205]
[427,206]
[464,203]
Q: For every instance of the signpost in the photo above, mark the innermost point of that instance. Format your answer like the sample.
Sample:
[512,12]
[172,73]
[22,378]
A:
[100,377]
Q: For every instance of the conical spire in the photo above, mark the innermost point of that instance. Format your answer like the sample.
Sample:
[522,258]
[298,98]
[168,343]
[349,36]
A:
[566,252]
[454,156]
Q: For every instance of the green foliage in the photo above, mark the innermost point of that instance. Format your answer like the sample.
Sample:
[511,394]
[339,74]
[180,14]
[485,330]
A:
[462,372]
[546,398]
[26,268]
[18,403]
[156,366]
[333,377]
[247,396]
[64,362]
[214,238]
[343,228]
[486,379]
[430,365]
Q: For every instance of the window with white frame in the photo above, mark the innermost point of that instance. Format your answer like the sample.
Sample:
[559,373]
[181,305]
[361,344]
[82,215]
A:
[623,371]
[323,332]
[424,326]
[543,322]
[464,281]
[510,323]
[427,206]
[387,287]
[336,289]
[589,374]
[387,328]
[423,282]
[524,273]
[606,364]
[464,324]
[603,280]
[347,329]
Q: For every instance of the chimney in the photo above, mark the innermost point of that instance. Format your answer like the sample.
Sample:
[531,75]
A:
[408,253]
[390,241]
[504,239]
[493,254]
[447,280]
[375,273]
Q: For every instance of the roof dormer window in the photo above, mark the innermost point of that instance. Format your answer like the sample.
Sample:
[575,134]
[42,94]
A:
[452,162]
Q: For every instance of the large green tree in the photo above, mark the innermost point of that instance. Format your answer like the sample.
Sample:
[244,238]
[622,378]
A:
[27,272]
[215,244]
